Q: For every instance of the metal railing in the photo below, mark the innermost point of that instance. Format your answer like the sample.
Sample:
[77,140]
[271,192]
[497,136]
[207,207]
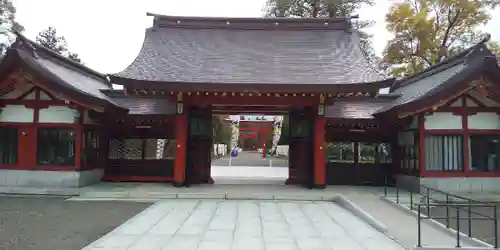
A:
[453,211]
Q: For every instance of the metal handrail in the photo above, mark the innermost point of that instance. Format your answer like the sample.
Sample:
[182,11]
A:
[450,202]
[493,218]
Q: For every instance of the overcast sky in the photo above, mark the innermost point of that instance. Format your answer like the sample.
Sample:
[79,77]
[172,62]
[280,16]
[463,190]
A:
[108,34]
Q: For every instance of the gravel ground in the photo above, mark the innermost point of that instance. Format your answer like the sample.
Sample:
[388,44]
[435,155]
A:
[42,223]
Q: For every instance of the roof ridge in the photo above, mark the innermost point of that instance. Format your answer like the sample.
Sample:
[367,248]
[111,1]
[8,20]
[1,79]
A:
[248,19]
[246,23]
[75,65]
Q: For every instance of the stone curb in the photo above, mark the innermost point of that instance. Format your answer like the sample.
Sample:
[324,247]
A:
[39,191]
[353,208]
[209,196]
[479,245]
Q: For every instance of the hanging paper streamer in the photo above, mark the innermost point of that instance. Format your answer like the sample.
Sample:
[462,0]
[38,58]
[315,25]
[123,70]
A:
[235,128]
[277,126]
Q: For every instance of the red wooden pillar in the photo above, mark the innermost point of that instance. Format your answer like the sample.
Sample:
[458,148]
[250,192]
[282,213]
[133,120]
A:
[319,152]
[181,136]
[79,147]
[421,145]
[263,136]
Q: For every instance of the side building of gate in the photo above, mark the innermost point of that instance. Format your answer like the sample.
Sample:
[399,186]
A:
[63,124]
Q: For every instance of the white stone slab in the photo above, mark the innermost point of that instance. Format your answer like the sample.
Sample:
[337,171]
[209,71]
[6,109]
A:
[242,225]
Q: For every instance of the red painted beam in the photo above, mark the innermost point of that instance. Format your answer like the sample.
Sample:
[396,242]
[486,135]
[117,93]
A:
[249,101]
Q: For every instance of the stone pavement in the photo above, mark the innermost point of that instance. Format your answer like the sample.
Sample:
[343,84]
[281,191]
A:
[403,226]
[249,175]
[240,225]
[251,159]
[400,226]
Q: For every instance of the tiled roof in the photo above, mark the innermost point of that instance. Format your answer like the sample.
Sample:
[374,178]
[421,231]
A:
[420,88]
[142,106]
[62,74]
[443,79]
[356,109]
[222,50]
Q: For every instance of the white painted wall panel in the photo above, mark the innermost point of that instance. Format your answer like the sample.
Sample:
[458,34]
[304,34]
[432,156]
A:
[44,96]
[30,96]
[16,113]
[443,121]
[57,114]
[484,121]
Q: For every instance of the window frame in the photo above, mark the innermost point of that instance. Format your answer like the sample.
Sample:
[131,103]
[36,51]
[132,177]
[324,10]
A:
[471,154]
[39,161]
[15,145]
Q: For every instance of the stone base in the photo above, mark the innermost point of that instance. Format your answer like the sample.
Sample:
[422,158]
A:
[177,184]
[450,184]
[291,181]
[34,178]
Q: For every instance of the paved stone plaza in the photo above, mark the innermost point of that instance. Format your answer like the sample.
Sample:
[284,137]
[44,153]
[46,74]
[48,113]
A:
[255,225]
[251,159]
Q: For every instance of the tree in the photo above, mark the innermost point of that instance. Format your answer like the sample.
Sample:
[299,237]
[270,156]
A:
[49,39]
[324,8]
[428,31]
[494,47]
[7,21]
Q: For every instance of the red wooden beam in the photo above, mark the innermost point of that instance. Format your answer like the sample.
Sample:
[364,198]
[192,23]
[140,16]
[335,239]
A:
[249,101]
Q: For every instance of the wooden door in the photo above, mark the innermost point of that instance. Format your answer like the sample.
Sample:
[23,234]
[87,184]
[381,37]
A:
[199,145]
[27,147]
[301,136]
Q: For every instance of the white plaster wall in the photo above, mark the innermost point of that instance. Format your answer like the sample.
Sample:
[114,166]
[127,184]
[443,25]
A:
[16,113]
[33,178]
[441,120]
[30,96]
[484,121]
[57,114]
[44,96]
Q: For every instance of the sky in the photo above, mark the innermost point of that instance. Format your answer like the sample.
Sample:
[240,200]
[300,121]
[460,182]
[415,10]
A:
[108,34]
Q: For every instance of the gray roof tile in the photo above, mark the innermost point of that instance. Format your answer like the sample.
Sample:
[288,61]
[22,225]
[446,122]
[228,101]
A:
[267,56]
[356,109]
[142,105]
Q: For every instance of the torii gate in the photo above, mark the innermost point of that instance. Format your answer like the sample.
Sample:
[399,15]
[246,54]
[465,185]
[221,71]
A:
[253,131]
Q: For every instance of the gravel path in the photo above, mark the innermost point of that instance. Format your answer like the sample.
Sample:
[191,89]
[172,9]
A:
[55,224]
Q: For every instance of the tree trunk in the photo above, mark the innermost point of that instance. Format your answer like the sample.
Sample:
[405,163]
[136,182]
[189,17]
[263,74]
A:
[315,8]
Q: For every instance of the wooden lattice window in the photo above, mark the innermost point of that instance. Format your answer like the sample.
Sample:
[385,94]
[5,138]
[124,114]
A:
[141,149]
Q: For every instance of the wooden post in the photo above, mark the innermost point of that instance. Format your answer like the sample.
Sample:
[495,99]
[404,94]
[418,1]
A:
[421,145]
[79,147]
[263,138]
[319,152]
[181,136]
